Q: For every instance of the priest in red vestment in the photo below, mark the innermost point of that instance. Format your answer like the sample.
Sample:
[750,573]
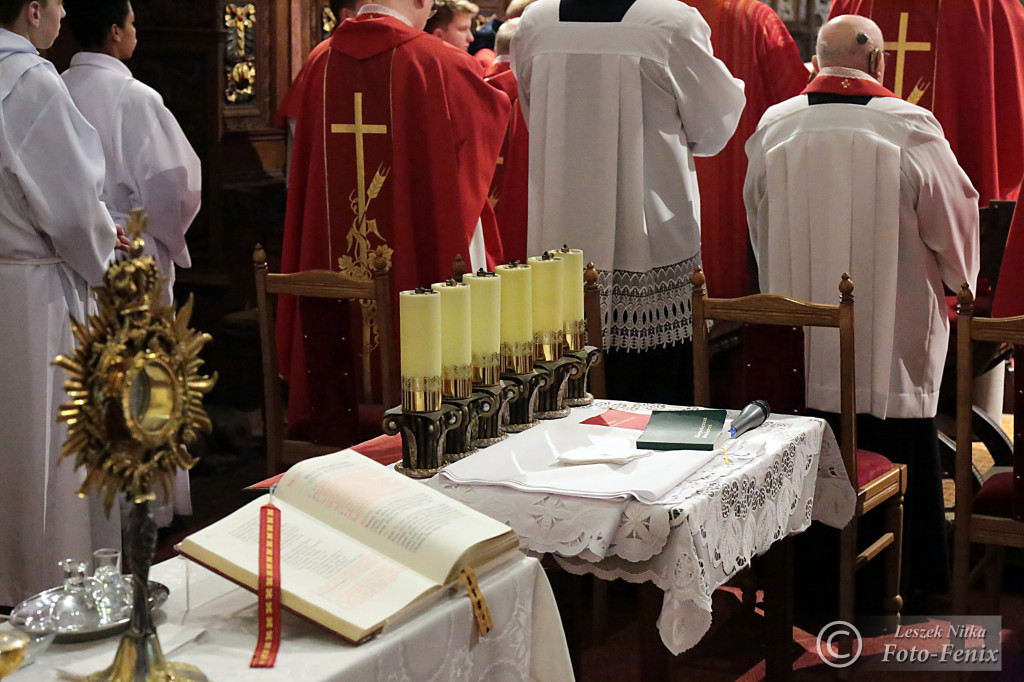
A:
[510,185]
[964,61]
[396,140]
[756,46]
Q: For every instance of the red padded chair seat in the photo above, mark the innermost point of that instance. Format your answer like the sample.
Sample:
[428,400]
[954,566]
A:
[996,496]
[871,465]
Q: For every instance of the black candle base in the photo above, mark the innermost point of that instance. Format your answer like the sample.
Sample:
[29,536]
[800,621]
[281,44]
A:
[423,437]
[576,394]
[488,421]
[551,398]
[521,409]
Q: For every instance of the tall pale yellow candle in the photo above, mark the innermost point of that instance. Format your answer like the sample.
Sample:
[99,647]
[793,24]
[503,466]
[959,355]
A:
[572,284]
[456,356]
[547,294]
[516,317]
[456,328]
[419,314]
[485,296]
[572,297]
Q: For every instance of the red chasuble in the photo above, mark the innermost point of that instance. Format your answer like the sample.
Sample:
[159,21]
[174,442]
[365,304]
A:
[396,140]
[510,185]
[964,61]
[752,41]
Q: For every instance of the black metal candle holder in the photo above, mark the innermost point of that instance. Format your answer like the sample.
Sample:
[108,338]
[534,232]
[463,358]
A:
[551,397]
[576,394]
[491,413]
[423,437]
[459,442]
[521,408]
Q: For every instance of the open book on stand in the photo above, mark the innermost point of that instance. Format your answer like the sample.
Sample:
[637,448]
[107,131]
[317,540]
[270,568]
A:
[360,543]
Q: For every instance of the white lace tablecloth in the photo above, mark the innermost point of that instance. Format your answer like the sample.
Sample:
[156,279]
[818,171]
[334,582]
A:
[697,536]
[438,645]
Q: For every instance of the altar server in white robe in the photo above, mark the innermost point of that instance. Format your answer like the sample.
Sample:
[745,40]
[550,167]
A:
[847,177]
[149,161]
[619,96]
[55,240]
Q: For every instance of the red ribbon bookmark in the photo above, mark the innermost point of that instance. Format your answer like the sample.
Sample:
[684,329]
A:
[269,589]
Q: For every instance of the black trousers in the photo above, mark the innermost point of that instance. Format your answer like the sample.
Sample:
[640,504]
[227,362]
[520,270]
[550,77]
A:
[659,375]
[914,442]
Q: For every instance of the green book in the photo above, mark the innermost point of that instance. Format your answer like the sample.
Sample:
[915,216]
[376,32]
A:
[682,430]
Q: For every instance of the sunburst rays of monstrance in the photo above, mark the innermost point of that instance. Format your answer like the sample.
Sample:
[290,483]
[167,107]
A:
[136,404]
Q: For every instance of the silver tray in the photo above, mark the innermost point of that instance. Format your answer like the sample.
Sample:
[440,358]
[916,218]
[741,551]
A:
[23,615]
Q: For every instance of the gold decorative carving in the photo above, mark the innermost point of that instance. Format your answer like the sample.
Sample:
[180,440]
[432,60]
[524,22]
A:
[240,53]
[240,20]
[328,22]
[241,83]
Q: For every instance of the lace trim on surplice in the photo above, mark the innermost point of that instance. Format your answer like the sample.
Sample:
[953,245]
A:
[644,310]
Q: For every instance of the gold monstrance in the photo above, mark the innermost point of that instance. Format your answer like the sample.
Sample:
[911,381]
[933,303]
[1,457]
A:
[136,402]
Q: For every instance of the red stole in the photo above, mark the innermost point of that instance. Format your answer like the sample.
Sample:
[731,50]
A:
[395,142]
[510,185]
[756,47]
[965,62]
[842,85]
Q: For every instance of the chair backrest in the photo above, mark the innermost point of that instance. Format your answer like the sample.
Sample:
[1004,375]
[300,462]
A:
[592,313]
[993,229]
[969,329]
[772,309]
[320,285]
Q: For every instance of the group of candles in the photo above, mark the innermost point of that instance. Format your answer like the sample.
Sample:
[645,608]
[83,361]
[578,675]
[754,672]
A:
[455,335]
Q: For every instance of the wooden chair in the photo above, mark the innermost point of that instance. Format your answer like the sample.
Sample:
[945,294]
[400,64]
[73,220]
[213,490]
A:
[318,284]
[876,480]
[994,514]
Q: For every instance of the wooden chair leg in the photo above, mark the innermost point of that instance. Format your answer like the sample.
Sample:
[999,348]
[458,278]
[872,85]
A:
[894,560]
[994,577]
[961,567]
[847,579]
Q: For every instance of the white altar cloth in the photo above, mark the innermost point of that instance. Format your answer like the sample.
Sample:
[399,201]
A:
[700,533]
[440,644]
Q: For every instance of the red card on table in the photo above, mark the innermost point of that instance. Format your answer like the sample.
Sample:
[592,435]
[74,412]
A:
[620,419]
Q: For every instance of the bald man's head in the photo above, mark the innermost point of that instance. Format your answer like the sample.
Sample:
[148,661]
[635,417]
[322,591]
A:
[853,42]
